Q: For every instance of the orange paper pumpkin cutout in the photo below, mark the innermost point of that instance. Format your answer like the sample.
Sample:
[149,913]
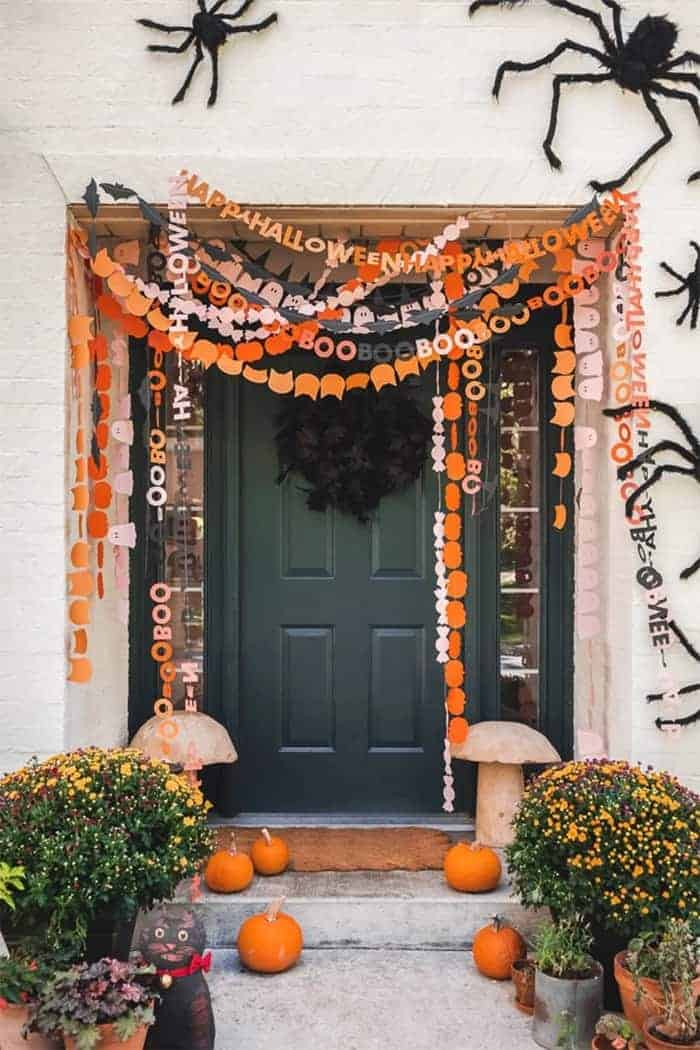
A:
[452,405]
[559,516]
[281,382]
[80,641]
[134,326]
[79,612]
[453,526]
[228,366]
[255,375]
[564,414]
[80,583]
[81,497]
[563,387]
[252,351]
[454,647]
[97,471]
[454,673]
[102,265]
[102,494]
[80,555]
[457,584]
[456,615]
[457,731]
[456,466]
[79,326]
[79,357]
[80,670]
[119,284]
[456,700]
[332,385]
[453,496]
[383,375]
[564,336]
[138,305]
[406,367]
[564,362]
[97,524]
[357,381]
[453,376]
[306,385]
[157,319]
[452,554]
[159,341]
[562,465]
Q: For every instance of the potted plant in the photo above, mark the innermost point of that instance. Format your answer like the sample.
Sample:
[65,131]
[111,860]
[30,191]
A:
[97,1006]
[21,980]
[616,1033]
[11,882]
[654,968]
[104,833]
[568,985]
[585,836]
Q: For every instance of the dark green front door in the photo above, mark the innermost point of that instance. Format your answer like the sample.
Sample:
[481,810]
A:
[338,697]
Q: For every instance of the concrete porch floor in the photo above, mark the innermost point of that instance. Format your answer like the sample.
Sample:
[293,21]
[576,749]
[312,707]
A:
[357,999]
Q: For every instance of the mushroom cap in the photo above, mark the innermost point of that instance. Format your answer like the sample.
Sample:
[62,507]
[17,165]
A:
[199,737]
[512,743]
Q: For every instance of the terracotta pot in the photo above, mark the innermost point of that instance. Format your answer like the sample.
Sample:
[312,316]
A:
[601,1042]
[109,1040]
[655,1042]
[11,1020]
[652,997]
[523,974]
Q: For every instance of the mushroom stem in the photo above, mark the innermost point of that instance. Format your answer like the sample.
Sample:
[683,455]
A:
[499,790]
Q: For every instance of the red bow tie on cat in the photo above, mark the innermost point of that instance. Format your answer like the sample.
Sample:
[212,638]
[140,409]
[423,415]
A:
[196,963]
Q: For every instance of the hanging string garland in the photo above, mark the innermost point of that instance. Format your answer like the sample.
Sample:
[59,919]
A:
[355,451]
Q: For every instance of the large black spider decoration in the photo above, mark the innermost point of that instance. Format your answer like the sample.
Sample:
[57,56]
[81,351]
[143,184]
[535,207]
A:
[691,456]
[209,30]
[689,284]
[638,63]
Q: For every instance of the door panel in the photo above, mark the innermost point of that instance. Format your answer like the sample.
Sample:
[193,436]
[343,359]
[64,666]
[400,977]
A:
[340,701]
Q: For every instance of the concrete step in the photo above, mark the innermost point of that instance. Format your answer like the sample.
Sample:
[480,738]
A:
[391,910]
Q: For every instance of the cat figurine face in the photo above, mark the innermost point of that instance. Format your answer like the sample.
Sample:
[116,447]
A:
[170,936]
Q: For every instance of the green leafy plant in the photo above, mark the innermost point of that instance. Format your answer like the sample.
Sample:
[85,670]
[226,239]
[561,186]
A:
[563,949]
[76,1001]
[11,882]
[613,842]
[619,1032]
[566,1036]
[671,956]
[21,979]
[101,832]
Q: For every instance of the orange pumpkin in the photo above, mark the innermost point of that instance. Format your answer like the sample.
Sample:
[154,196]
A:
[270,855]
[270,942]
[496,948]
[229,871]
[472,868]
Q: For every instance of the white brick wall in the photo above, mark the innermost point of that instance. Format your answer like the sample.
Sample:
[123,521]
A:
[369,101]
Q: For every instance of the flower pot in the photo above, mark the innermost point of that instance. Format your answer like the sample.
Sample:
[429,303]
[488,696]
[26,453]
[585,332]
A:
[652,997]
[109,1040]
[11,1020]
[655,1042]
[523,974]
[558,1000]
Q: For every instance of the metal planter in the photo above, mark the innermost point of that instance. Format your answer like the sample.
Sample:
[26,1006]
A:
[563,1006]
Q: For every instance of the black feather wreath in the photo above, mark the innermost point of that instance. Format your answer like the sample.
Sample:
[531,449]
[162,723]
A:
[355,451]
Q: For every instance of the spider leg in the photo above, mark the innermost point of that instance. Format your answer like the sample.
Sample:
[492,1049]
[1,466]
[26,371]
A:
[690,570]
[165,29]
[667,410]
[686,97]
[236,14]
[687,56]
[666,137]
[571,78]
[678,276]
[695,314]
[682,317]
[188,79]
[663,446]
[666,468]
[214,89]
[682,78]
[617,21]
[583,12]
[254,28]
[524,67]
[173,50]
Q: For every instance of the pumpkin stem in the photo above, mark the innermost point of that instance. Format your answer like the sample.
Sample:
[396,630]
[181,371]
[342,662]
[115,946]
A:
[274,908]
[266,835]
[232,844]
[475,846]
[499,922]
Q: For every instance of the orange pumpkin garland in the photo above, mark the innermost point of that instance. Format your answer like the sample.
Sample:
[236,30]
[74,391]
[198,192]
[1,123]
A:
[270,942]
[496,948]
[472,868]
[269,854]
[229,871]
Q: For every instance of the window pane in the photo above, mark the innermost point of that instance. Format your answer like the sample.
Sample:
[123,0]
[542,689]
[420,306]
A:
[519,526]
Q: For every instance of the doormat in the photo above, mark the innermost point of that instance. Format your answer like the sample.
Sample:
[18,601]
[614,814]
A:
[352,849]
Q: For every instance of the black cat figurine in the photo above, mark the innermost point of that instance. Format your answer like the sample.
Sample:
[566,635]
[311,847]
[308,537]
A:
[172,939]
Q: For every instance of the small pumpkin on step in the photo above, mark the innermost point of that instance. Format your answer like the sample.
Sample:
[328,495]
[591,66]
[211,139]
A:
[270,854]
[496,947]
[229,871]
[472,868]
[270,942]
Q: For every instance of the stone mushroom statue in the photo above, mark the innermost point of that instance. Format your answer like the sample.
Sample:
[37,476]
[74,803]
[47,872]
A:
[199,741]
[501,749]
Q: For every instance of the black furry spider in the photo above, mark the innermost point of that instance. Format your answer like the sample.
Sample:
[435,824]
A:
[689,284]
[691,455]
[636,64]
[209,30]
